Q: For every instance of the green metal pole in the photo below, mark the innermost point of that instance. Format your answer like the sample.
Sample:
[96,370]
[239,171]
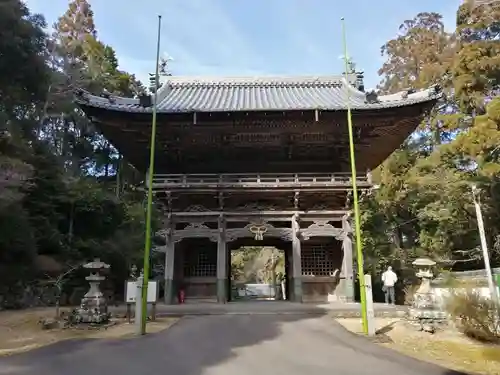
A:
[359,252]
[147,242]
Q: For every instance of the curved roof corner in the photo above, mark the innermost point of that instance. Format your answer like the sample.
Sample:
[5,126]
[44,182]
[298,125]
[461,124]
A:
[238,94]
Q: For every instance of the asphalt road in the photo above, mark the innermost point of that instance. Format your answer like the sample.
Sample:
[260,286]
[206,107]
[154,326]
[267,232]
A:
[225,345]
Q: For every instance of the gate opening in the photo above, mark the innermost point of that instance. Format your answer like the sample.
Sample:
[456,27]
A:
[258,273]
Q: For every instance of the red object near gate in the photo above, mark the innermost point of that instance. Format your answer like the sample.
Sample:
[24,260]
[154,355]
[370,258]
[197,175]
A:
[182,296]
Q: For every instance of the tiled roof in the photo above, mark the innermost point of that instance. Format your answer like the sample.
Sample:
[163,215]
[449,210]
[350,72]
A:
[186,95]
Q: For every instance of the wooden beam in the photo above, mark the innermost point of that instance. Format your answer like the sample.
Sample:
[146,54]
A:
[232,216]
[259,213]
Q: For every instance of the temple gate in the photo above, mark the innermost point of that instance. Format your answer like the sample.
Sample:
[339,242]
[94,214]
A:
[258,161]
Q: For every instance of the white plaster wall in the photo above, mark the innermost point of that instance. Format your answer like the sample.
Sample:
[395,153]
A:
[443,293]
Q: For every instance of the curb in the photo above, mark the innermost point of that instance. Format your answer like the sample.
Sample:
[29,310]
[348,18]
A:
[378,314]
[220,313]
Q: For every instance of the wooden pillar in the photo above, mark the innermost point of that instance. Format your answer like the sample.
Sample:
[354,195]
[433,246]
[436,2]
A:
[347,264]
[296,262]
[222,256]
[289,275]
[169,266]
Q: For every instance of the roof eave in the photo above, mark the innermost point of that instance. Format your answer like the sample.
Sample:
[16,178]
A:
[149,110]
[129,105]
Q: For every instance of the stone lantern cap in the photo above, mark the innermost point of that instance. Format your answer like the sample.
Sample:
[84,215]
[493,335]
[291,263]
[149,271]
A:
[96,264]
[424,262]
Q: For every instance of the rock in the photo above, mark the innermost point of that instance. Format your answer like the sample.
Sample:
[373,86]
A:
[49,323]
[429,328]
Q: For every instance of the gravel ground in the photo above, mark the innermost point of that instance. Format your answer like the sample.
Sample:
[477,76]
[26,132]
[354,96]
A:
[446,348]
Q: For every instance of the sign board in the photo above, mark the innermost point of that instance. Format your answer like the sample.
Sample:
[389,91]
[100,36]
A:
[131,291]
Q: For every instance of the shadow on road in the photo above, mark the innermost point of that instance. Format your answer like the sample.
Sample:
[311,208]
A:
[189,347]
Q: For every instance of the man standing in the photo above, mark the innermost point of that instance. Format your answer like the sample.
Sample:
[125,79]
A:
[389,279]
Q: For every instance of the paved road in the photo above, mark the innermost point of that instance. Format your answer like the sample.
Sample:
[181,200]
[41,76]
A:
[225,345]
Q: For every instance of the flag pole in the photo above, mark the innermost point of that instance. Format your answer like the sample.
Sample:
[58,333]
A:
[147,242]
[359,250]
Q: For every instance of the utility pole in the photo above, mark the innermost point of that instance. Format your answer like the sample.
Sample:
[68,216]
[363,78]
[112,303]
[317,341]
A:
[359,250]
[147,241]
[484,246]
[273,274]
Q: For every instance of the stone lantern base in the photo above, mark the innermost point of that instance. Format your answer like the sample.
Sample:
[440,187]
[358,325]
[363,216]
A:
[425,312]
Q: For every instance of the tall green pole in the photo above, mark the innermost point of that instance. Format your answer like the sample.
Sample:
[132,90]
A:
[147,242]
[359,250]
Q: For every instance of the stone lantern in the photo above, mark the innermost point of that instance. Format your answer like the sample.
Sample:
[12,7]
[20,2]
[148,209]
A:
[133,272]
[94,307]
[425,310]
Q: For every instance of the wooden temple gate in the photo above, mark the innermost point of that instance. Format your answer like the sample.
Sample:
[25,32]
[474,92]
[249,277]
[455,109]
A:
[216,135]
[317,242]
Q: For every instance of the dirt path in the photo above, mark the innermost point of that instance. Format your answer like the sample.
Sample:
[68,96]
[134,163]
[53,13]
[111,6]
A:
[20,331]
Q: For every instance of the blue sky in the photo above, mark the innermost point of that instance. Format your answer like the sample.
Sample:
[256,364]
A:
[250,38]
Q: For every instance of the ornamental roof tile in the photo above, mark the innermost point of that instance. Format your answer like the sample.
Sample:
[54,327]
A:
[206,94]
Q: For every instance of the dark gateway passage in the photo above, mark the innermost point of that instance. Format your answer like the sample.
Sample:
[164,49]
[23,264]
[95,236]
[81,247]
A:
[258,162]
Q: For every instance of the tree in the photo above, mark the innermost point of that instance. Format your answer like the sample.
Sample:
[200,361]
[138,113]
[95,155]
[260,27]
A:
[23,72]
[53,202]
[420,54]
[424,204]
[476,68]
[75,29]
[23,85]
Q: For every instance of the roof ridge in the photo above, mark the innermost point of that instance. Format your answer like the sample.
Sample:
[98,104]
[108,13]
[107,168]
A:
[254,79]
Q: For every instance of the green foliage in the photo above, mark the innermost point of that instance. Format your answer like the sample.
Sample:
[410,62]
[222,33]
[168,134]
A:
[476,68]
[424,204]
[257,265]
[23,72]
[52,203]
[65,192]
[418,55]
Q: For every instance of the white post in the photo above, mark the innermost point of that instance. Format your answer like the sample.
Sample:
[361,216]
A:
[138,305]
[370,312]
[273,274]
[146,181]
[484,246]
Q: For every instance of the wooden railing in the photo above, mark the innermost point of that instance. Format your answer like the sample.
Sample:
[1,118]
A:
[287,180]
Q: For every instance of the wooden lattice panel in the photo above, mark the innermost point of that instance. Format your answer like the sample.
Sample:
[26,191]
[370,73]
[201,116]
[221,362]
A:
[317,261]
[200,262]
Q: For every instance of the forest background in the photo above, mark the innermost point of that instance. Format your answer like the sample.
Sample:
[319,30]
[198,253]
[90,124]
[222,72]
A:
[67,196]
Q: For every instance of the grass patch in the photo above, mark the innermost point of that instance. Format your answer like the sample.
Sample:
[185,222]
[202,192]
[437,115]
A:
[447,348]
[460,356]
